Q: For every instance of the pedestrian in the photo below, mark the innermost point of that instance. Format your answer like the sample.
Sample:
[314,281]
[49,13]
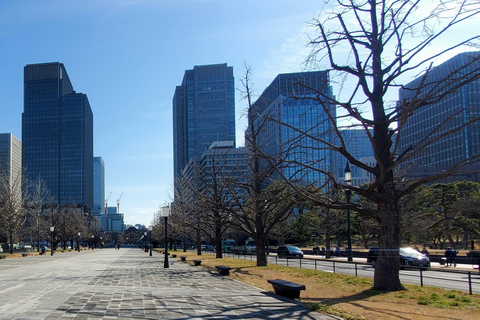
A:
[337,251]
[425,252]
[450,255]
[323,251]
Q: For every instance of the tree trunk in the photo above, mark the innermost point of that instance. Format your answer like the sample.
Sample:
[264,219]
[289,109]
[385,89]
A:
[218,241]
[10,238]
[199,243]
[184,243]
[388,264]
[261,256]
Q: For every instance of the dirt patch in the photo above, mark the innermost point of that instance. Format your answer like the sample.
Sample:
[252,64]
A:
[351,297]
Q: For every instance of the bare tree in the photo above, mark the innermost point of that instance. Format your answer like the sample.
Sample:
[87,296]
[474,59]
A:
[38,203]
[373,45]
[12,210]
[257,210]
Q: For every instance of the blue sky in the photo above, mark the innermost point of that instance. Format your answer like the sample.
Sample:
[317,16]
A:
[128,56]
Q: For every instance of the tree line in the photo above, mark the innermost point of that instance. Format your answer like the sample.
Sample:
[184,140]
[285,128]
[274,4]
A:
[27,213]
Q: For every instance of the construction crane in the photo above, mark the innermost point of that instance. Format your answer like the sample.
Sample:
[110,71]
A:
[118,203]
[106,202]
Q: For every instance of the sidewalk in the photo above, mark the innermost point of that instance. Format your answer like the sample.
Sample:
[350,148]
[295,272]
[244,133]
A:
[129,284]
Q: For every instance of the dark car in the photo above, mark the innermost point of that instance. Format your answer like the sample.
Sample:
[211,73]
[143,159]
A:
[289,252]
[408,258]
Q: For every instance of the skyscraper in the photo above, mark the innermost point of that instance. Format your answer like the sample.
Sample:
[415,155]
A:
[290,107]
[435,122]
[203,112]
[57,135]
[11,158]
[98,186]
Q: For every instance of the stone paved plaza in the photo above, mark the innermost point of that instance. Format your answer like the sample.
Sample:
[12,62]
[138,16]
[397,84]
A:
[129,284]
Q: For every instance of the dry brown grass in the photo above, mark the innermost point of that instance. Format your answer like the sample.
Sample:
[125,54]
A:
[352,297]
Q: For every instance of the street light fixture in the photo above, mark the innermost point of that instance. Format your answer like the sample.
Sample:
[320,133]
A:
[78,241]
[165,213]
[52,228]
[348,194]
[93,236]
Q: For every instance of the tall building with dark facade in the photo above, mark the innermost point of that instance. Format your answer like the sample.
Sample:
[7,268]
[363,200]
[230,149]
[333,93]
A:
[291,101]
[57,135]
[203,112]
[434,121]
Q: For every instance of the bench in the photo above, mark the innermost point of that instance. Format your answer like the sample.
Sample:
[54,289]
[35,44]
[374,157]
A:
[3,256]
[286,288]
[25,254]
[223,270]
[174,255]
[183,258]
[197,262]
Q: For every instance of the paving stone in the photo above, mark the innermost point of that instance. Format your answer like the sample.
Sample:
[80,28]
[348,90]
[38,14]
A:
[129,284]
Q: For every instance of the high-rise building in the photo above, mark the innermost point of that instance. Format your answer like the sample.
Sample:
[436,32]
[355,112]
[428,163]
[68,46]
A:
[287,107]
[57,135]
[435,121]
[220,162]
[203,112]
[11,159]
[358,144]
[98,186]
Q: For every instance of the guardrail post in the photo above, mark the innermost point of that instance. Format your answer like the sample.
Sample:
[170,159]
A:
[421,277]
[356,273]
[333,266]
[469,282]
[315,264]
[300,263]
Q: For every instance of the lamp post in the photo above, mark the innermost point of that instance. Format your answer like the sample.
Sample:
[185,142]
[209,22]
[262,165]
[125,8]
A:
[150,242]
[145,247]
[78,241]
[52,228]
[165,214]
[348,194]
[93,236]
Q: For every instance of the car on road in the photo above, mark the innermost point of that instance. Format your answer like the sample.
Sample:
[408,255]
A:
[409,258]
[207,247]
[289,252]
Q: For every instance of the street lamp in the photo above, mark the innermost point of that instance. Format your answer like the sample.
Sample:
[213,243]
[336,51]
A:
[52,228]
[151,243]
[145,248]
[93,236]
[78,241]
[348,194]
[165,213]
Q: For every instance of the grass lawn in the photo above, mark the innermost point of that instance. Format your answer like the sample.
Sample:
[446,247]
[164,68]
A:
[351,297]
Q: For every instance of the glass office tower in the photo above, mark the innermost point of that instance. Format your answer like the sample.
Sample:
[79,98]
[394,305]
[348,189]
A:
[98,186]
[291,100]
[436,121]
[57,135]
[203,112]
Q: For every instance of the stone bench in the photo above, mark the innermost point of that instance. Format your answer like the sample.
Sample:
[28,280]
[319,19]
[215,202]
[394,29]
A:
[3,256]
[24,254]
[183,258]
[197,262]
[174,255]
[286,288]
[223,270]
